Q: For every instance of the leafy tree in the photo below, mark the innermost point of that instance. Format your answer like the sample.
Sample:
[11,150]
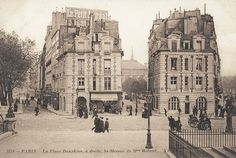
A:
[16,56]
[135,86]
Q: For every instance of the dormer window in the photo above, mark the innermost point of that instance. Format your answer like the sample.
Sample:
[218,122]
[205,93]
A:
[186,44]
[174,45]
[199,45]
[81,46]
[174,42]
[199,42]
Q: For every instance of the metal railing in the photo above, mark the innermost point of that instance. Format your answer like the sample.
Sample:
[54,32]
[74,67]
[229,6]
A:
[208,138]
[181,148]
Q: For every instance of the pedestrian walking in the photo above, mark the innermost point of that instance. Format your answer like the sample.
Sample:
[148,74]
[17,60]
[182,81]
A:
[101,125]
[106,128]
[178,125]
[96,124]
[130,110]
[165,111]
[136,111]
[171,123]
[179,110]
[16,106]
[36,109]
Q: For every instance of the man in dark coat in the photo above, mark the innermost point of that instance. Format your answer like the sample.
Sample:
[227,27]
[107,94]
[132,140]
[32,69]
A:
[36,110]
[165,111]
[130,110]
[171,122]
[106,126]
[229,111]
[96,124]
[136,111]
[178,125]
[101,125]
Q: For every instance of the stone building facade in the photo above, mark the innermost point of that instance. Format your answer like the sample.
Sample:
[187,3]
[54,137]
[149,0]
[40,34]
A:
[184,63]
[83,60]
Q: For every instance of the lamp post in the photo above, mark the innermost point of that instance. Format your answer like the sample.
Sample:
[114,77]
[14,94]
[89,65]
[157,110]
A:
[149,140]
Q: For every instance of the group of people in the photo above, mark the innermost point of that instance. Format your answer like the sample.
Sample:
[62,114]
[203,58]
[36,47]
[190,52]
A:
[99,125]
[202,112]
[174,125]
[220,111]
[129,109]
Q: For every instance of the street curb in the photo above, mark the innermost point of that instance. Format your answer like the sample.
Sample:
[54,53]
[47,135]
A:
[169,154]
[7,135]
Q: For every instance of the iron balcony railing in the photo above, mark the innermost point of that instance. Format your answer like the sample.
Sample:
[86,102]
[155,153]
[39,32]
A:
[208,138]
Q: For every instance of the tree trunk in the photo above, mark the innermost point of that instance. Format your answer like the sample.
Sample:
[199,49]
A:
[3,96]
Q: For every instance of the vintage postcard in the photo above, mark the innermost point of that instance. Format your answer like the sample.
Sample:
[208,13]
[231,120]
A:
[117,79]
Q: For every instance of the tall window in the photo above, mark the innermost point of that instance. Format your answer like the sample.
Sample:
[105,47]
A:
[96,37]
[107,66]
[173,103]
[201,103]
[81,81]
[107,83]
[173,80]
[174,45]
[81,66]
[94,83]
[186,64]
[199,64]
[186,81]
[173,83]
[173,63]
[198,80]
[94,66]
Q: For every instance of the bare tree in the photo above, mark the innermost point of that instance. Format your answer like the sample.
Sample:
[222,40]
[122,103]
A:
[16,56]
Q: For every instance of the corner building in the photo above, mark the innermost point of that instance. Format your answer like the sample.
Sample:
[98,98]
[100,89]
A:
[83,60]
[184,63]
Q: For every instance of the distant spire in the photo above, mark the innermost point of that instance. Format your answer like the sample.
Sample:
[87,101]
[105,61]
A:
[159,15]
[132,54]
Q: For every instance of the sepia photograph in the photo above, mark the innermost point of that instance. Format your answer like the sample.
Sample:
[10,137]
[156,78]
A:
[117,79]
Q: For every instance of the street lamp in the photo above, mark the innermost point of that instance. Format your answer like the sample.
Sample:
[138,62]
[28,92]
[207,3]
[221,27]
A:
[149,140]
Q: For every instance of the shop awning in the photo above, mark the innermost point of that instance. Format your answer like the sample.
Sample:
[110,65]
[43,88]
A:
[104,97]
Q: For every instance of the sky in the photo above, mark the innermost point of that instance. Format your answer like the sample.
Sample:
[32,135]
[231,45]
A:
[29,18]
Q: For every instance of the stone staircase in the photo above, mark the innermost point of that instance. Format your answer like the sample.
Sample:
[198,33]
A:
[223,152]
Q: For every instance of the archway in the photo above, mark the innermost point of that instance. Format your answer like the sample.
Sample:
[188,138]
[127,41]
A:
[173,103]
[82,109]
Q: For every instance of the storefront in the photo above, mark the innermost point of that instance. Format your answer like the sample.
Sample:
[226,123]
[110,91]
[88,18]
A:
[106,101]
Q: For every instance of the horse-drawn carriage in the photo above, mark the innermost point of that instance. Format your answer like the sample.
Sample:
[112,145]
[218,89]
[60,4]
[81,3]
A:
[203,123]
